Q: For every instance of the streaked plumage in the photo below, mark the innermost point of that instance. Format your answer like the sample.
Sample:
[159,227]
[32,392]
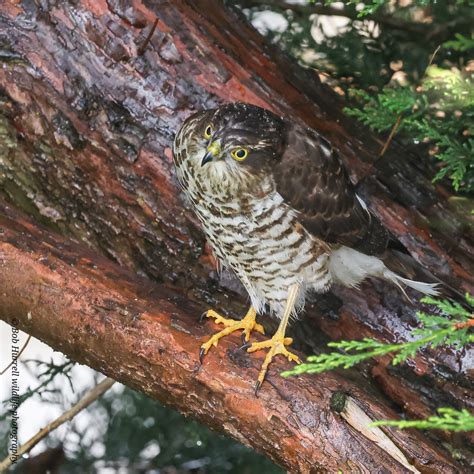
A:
[287,214]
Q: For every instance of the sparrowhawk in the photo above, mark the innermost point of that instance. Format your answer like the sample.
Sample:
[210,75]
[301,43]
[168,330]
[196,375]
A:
[279,209]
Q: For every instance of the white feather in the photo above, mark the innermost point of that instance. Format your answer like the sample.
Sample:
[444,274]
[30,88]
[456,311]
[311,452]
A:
[349,267]
[426,288]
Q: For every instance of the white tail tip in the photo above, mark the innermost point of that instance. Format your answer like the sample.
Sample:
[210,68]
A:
[426,288]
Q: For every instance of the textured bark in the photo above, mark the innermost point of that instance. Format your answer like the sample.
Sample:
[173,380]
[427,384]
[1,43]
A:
[87,117]
[141,334]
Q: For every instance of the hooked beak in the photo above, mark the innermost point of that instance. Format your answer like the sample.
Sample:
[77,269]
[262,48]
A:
[213,151]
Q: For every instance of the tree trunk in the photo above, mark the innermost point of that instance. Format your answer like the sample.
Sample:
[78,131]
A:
[88,110]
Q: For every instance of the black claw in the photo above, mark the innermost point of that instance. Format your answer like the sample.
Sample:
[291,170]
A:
[257,387]
[246,345]
[202,353]
[203,315]
[244,341]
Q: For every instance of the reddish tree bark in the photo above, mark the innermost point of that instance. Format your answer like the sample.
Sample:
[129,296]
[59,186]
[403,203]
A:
[141,334]
[87,116]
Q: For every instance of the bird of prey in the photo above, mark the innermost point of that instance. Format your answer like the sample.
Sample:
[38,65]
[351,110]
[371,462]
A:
[279,209]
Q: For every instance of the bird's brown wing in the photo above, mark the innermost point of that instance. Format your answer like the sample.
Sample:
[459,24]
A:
[312,179]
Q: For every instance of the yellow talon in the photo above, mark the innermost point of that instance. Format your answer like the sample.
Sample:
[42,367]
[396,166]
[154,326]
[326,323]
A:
[278,342]
[248,324]
[277,346]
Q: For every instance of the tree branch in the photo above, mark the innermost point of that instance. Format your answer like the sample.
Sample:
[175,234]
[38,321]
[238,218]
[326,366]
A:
[147,337]
[16,357]
[68,415]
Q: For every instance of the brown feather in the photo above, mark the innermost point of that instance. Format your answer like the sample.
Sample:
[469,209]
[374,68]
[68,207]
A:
[312,179]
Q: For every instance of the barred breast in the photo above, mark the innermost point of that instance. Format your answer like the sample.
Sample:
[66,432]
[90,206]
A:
[257,236]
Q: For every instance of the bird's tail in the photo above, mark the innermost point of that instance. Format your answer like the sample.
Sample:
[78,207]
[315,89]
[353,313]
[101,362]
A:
[349,267]
[431,289]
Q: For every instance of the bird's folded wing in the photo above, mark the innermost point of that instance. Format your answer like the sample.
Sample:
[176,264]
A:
[313,181]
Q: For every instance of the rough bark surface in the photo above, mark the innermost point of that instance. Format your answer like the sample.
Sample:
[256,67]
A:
[87,116]
[141,334]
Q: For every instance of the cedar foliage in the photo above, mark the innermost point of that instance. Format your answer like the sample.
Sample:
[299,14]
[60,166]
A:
[406,64]
[451,325]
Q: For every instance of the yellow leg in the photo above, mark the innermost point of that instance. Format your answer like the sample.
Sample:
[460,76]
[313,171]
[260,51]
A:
[248,324]
[278,342]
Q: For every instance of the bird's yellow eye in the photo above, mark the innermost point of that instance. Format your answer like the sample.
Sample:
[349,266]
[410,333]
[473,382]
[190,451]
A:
[208,132]
[239,154]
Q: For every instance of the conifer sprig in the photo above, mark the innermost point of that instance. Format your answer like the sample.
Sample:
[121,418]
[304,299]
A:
[452,327]
[447,419]
[436,330]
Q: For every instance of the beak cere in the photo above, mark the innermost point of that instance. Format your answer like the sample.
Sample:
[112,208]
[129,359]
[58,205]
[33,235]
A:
[213,151]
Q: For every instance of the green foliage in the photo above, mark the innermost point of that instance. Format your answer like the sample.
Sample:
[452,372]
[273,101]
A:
[440,112]
[435,330]
[379,55]
[451,327]
[448,419]
[381,112]
[370,7]
[460,43]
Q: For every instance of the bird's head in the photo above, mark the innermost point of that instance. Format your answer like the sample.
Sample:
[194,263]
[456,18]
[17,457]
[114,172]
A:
[232,140]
